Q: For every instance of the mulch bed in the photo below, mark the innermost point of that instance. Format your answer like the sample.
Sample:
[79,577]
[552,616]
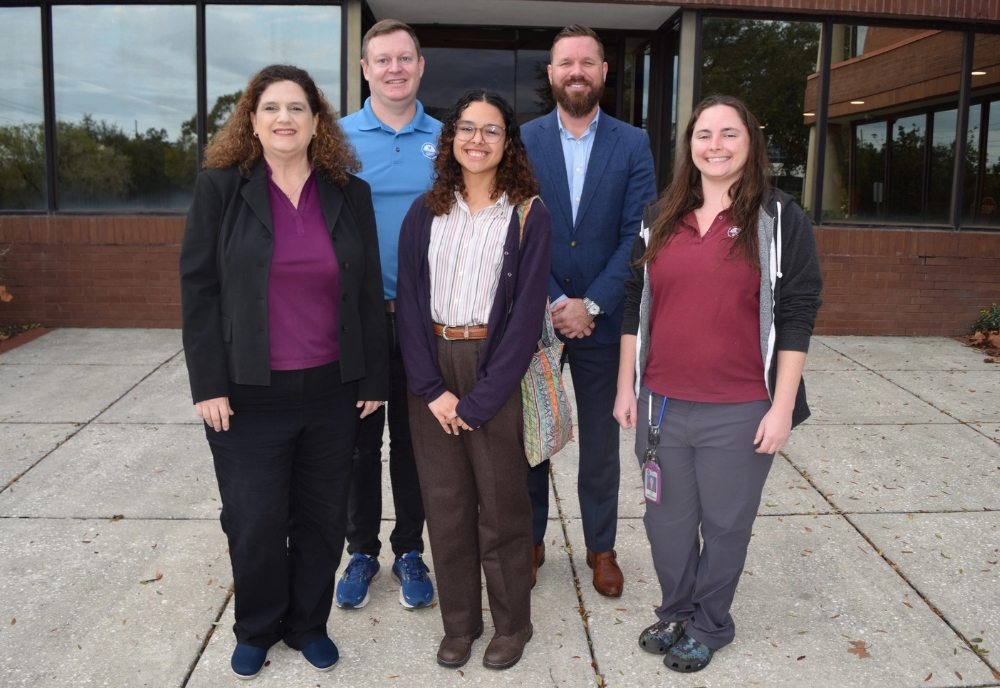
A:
[13,336]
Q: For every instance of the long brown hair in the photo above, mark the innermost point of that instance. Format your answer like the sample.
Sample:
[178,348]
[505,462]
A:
[330,152]
[514,174]
[748,193]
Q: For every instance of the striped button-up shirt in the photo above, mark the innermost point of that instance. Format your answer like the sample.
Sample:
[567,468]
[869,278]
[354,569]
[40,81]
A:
[465,257]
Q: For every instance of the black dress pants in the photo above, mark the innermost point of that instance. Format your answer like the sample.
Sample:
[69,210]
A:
[284,469]
[364,506]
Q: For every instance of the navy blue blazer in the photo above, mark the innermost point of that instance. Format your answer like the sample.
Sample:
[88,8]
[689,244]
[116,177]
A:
[590,257]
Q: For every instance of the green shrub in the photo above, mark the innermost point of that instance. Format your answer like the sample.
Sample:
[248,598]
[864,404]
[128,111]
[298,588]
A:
[989,319]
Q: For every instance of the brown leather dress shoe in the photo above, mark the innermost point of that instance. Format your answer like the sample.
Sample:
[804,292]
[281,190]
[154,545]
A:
[504,651]
[456,650]
[608,578]
[537,559]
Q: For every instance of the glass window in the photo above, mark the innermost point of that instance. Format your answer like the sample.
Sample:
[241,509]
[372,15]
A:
[242,39]
[449,72]
[767,64]
[892,124]
[534,94]
[22,132]
[125,83]
[982,168]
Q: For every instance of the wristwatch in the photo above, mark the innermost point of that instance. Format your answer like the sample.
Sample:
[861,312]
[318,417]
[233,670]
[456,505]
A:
[593,310]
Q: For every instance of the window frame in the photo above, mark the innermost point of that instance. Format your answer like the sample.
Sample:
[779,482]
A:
[964,97]
[201,71]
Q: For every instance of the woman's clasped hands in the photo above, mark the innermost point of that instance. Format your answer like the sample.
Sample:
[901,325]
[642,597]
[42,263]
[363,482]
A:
[443,409]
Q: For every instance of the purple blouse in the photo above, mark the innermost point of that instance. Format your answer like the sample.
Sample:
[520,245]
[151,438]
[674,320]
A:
[303,287]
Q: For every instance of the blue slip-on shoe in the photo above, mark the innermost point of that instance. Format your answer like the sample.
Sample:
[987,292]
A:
[321,654]
[415,587]
[247,660]
[352,588]
[661,636]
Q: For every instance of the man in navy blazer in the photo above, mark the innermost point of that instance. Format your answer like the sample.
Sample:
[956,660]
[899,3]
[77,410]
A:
[596,176]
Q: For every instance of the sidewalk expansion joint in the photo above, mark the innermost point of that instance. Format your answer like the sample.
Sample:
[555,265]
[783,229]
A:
[208,636]
[81,426]
[846,516]
[584,614]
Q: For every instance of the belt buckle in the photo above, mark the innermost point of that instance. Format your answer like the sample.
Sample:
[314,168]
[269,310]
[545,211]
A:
[444,333]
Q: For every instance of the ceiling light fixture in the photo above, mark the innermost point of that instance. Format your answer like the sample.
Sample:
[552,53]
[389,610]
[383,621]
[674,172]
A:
[857,102]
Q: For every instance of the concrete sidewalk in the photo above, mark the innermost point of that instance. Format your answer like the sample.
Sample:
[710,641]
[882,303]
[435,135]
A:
[874,561]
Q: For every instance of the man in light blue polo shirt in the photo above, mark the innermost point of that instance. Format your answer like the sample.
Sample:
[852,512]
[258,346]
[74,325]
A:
[397,144]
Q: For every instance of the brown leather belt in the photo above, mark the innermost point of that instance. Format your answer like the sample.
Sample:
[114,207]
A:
[390,306]
[467,332]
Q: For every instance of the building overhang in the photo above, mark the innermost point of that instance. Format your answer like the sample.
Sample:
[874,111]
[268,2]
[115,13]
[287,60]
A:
[525,13]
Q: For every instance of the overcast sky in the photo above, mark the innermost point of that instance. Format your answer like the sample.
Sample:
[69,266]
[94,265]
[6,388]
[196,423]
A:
[135,66]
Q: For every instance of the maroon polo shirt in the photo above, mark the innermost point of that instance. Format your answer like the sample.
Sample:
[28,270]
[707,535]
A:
[705,318]
[303,288]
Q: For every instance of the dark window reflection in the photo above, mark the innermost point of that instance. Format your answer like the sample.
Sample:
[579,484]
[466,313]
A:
[22,134]
[125,103]
[767,64]
[449,72]
[901,84]
[907,167]
[869,170]
[241,39]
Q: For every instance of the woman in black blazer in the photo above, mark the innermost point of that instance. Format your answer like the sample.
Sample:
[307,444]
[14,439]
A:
[284,336]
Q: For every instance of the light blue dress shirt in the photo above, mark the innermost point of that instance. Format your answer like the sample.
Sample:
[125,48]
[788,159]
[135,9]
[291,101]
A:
[576,151]
[398,166]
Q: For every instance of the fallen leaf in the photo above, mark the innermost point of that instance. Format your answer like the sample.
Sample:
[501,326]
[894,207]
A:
[835,616]
[576,656]
[267,662]
[13,621]
[959,676]
[209,582]
[159,575]
[621,609]
[908,605]
[799,659]
[5,295]
[977,338]
[929,676]
[859,649]
[461,673]
[117,517]
[808,529]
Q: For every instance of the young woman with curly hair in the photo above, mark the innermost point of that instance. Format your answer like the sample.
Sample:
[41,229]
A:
[284,336]
[473,285]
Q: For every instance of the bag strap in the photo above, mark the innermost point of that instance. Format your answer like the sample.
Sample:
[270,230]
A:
[548,329]
[522,214]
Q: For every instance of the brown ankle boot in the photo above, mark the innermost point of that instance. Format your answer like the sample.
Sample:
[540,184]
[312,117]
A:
[456,650]
[504,651]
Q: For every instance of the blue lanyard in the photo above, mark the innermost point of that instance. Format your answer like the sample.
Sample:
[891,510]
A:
[650,410]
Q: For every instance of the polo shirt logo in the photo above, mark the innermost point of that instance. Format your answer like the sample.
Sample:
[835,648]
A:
[733,231]
[429,150]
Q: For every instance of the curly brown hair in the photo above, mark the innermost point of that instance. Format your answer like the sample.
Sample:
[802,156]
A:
[514,176]
[330,152]
[684,194]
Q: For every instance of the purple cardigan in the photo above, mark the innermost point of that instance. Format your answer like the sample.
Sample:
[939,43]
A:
[515,322]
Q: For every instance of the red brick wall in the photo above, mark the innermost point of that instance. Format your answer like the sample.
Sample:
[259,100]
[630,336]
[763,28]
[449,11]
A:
[91,271]
[962,10]
[122,272]
[914,282]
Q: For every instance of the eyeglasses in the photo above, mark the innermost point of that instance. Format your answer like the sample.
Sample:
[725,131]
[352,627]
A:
[466,131]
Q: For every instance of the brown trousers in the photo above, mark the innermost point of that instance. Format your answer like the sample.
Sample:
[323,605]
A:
[475,493]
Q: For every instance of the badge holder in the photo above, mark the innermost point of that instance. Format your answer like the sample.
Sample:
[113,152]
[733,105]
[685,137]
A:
[651,477]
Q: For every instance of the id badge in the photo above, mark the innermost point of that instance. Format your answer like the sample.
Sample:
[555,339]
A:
[651,482]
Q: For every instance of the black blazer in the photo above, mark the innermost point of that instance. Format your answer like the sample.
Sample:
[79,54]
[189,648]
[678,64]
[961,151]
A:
[225,262]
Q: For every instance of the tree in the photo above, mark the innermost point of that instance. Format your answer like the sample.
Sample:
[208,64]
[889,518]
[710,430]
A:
[765,64]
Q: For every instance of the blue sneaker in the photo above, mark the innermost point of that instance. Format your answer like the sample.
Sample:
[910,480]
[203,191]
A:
[352,588]
[415,587]
[321,654]
[247,660]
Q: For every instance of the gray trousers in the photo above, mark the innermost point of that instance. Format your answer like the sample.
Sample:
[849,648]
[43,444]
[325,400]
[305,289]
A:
[713,478]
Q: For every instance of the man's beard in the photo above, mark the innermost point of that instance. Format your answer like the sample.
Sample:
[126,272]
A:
[578,104]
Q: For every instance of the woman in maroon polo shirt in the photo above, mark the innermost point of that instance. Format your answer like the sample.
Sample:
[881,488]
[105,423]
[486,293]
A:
[719,311]
[284,337]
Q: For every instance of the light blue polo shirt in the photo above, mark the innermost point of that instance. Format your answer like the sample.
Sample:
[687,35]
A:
[398,166]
